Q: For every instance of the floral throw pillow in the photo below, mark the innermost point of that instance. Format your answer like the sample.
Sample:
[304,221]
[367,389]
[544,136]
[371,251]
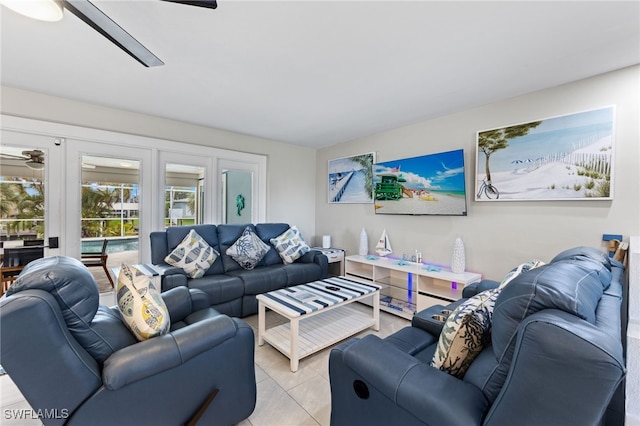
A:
[290,245]
[248,250]
[193,255]
[141,307]
[465,333]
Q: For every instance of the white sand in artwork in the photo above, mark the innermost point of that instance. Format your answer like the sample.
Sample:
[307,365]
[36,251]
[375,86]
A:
[553,180]
[445,205]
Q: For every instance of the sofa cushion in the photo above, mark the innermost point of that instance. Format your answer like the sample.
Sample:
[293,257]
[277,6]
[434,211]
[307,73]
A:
[194,255]
[300,273]
[219,288]
[248,250]
[571,287]
[262,280]
[107,334]
[465,333]
[290,245]
[572,283]
[175,235]
[267,231]
[589,258]
[141,306]
[584,253]
[69,281]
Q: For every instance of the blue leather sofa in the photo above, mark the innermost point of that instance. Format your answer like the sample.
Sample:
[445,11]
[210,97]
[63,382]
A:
[555,357]
[231,289]
[76,362]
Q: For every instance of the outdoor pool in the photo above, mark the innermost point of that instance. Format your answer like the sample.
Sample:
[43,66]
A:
[116,245]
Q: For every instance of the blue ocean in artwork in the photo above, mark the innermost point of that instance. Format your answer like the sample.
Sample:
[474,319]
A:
[432,184]
[441,172]
[560,135]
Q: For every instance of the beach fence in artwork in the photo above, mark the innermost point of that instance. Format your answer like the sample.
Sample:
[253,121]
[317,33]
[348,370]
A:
[599,163]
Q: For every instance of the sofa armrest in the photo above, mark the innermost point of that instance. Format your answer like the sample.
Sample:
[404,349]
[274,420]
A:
[315,256]
[199,299]
[429,394]
[182,302]
[308,257]
[173,280]
[153,356]
[478,287]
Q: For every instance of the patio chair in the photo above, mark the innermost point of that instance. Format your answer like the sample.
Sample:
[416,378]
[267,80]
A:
[98,259]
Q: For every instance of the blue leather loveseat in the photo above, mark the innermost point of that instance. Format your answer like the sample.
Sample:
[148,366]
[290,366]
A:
[554,357]
[77,363]
[231,289]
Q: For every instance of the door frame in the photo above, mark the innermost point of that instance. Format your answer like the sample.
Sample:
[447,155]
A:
[76,149]
[53,193]
[61,171]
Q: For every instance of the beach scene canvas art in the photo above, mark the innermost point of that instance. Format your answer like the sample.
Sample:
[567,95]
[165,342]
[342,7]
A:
[350,179]
[431,184]
[569,157]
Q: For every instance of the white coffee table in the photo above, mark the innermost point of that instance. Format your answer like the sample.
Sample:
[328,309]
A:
[321,320]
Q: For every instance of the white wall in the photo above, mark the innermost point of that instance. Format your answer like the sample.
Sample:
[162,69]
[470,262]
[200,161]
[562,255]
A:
[291,180]
[497,235]
[633,336]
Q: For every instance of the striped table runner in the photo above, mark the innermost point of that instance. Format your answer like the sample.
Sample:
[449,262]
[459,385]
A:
[322,296]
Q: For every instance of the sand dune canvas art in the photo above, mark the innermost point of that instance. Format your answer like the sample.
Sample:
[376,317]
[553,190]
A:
[569,157]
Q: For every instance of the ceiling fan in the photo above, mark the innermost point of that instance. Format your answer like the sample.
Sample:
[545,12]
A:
[100,22]
[33,159]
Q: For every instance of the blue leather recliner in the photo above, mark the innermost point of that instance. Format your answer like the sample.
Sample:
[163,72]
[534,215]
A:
[555,357]
[76,362]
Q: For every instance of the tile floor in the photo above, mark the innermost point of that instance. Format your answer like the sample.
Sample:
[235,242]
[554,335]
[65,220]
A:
[284,398]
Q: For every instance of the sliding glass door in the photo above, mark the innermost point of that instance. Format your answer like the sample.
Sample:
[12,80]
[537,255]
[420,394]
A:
[107,194]
[29,203]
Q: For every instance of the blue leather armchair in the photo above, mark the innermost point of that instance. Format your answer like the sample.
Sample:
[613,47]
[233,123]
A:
[554,358]
[76,362]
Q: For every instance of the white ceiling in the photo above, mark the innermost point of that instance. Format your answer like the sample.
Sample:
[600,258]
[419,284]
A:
[316,73]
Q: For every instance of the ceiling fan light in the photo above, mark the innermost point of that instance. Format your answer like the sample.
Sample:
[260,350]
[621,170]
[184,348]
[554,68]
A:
[34,165]
[43,10]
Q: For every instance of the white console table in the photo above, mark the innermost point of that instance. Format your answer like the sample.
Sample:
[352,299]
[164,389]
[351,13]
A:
[410,287]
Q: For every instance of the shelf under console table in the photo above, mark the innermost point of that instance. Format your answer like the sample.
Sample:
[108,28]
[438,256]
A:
[409,287]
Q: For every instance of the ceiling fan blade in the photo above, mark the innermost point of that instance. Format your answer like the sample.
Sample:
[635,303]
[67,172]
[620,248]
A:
[100,22]
[12,157]
[211,4]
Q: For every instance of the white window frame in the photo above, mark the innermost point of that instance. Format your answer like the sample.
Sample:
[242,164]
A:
[64,168]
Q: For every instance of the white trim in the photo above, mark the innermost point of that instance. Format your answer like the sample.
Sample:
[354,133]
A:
[118,144]
[53,173]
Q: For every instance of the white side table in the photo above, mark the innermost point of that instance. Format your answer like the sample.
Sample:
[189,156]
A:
[336,259]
